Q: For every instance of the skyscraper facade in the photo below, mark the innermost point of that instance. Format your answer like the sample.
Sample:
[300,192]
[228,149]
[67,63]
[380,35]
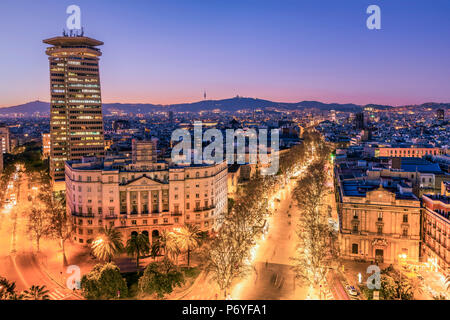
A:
[76,122]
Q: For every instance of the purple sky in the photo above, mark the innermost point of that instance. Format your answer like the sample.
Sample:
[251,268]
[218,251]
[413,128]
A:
[283,50]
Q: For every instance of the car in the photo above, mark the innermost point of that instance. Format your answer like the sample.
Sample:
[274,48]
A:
[351,291]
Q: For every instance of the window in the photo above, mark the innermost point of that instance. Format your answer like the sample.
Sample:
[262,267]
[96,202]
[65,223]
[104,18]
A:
[405,232]
[166,220]
[133,222]
[355,227]
[355,248]
[380,230]
[110,179]
[188,205]
[405,218]
[380,216]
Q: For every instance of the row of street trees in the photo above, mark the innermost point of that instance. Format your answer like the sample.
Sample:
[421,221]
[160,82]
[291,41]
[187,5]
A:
[49,219]
[317,246]
[228,255]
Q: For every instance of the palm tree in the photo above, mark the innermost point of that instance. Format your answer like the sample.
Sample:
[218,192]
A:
[164,238]
[137,245]
[36,293]
[188,238]
[108,244]
[169,242]
[7,289]
[155,250]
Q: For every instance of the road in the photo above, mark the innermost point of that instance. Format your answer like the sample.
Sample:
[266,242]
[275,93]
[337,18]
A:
[273,278]
[18,262]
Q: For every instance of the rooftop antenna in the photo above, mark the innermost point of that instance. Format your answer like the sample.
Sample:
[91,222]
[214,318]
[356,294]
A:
[204,95]
[82,31]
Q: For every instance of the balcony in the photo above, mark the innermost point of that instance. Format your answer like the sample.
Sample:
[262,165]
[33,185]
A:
[110,217]
[83,215]
[199,209]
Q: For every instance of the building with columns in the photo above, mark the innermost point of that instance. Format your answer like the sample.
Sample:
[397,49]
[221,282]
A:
[144,197]
[379,220]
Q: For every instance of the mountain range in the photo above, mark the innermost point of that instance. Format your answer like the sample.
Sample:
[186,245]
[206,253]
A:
[231,105]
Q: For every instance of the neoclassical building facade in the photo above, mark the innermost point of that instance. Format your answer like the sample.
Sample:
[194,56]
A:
[379,221]
[145,197]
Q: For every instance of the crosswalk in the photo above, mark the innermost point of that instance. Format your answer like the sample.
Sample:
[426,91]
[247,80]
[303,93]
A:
[328,295]
[57,295]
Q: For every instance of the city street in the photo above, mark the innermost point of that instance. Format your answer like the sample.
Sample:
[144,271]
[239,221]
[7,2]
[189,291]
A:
[18,260]
[272,277]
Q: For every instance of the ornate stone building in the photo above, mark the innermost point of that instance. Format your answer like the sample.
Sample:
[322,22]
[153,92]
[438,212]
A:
[145,197]
[379,220]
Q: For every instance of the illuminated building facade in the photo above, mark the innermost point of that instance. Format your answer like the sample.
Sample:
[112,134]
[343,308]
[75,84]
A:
[436,231]
[76,123]
[408,152]
[46,145]
[379,220]
[5,140]
[143,197]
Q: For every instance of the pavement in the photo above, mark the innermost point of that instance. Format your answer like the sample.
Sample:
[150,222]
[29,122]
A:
[273,277]
[18,259]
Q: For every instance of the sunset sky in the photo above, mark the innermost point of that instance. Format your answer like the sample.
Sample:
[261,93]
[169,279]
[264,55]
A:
[170,51]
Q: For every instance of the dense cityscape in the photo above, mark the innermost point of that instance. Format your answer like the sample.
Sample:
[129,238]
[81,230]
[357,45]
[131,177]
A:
[98,201]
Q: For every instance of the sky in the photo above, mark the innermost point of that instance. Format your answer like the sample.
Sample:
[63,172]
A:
[168,51]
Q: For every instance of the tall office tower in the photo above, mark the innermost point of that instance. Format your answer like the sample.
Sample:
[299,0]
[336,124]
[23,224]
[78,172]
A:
[76,122]
[360,121]
[5,140]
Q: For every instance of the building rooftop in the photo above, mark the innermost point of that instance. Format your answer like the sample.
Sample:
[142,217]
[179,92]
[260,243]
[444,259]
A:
[359,188]
[73,41]
[438,197]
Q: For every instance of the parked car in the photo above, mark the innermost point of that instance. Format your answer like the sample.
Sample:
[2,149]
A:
[351,291]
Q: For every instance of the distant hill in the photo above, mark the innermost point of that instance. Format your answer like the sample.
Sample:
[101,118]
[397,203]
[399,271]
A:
[233,104]
[27,108]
